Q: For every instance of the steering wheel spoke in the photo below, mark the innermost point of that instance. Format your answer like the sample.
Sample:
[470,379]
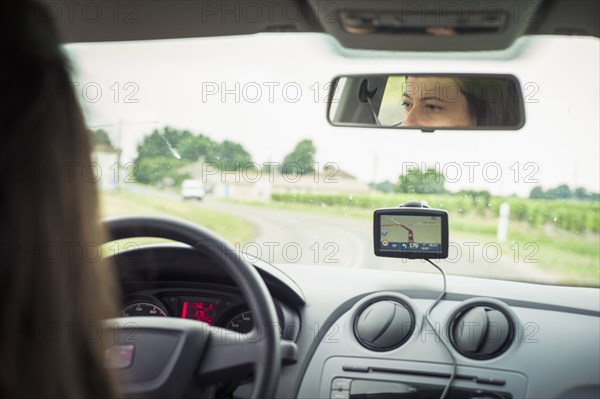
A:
[229,354]
[155,357]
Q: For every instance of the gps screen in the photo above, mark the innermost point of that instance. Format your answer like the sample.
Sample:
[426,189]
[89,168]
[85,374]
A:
[411,233]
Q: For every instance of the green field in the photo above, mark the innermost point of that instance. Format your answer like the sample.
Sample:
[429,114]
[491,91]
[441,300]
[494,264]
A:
[574,216]
[125,203]
[572,256]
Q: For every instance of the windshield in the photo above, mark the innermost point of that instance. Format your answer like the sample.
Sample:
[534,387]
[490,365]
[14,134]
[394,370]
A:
[232,133]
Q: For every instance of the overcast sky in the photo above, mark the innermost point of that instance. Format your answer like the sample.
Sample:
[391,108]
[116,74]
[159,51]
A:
[268,92]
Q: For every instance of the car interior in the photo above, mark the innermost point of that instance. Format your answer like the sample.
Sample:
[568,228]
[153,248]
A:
[202,318]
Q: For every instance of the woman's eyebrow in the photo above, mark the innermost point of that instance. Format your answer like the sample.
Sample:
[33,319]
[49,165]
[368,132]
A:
[436,98]
[426,98]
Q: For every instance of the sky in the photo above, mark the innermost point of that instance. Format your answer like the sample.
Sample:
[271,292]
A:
[268,92]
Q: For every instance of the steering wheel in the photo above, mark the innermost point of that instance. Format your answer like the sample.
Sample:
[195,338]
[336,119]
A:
[160,357]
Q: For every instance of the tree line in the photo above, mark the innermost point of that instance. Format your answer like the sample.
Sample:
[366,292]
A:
[432,181]
[163,153]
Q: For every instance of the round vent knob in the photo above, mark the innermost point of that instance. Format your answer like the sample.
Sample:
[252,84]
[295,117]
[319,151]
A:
[384,325]
[481,332]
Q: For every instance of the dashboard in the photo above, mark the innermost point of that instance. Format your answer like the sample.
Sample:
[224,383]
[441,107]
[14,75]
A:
[213,307]
[217,305]
[179,282]
[360,332]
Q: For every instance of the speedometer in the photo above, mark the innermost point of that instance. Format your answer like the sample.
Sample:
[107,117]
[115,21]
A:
[142,309]
[240,322]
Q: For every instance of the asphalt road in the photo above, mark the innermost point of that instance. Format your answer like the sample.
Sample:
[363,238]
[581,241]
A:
[284,237]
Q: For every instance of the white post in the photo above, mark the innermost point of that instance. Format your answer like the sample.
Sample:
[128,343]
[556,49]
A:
[503,222]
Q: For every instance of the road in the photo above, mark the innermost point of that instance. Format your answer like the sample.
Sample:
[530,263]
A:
[284,237]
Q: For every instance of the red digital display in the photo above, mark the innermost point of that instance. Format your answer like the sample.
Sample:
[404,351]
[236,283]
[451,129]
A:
[201,311]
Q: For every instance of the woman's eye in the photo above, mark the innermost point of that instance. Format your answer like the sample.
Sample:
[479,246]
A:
[406,104]
[433,107]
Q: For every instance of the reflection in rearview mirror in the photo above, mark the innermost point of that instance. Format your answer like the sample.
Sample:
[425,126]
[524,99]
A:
[428,102]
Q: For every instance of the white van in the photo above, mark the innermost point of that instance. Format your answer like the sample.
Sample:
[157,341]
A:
[192,189]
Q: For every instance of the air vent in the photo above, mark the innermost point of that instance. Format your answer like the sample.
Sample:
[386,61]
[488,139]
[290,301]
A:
[481,331]
[384,325]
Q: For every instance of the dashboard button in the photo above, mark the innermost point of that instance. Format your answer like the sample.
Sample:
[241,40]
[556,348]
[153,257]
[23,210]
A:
[341,384]
[340,395]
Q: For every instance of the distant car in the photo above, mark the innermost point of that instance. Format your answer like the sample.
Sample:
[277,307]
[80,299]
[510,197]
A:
[193,189]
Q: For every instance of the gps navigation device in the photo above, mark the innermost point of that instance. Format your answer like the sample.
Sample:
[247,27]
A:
[411,232]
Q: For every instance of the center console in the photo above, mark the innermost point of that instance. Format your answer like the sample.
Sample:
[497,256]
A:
[367,378]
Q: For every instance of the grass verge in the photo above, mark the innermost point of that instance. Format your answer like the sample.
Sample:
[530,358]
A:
[125,203]
[573,258]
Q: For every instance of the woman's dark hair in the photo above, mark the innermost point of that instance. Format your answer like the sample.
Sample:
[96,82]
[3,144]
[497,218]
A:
[54,288]
[492,102]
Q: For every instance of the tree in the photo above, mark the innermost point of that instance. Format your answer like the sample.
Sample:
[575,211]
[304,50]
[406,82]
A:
[100,137]
[561,192]
[164,152]
[231,156]
[301,160]
[165,143]
[581,193]
[537,193]
[159,157]
[194,147]
[416,181]
[156,170]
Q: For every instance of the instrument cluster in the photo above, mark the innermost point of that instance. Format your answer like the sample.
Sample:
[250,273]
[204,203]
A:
[214,308]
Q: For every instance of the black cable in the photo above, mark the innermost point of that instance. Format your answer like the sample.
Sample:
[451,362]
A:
[375,117]
[437,334]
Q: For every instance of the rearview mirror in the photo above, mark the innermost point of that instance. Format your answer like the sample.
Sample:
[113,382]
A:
[428,102]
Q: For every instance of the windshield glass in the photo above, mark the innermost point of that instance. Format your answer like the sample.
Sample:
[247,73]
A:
[232,133]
